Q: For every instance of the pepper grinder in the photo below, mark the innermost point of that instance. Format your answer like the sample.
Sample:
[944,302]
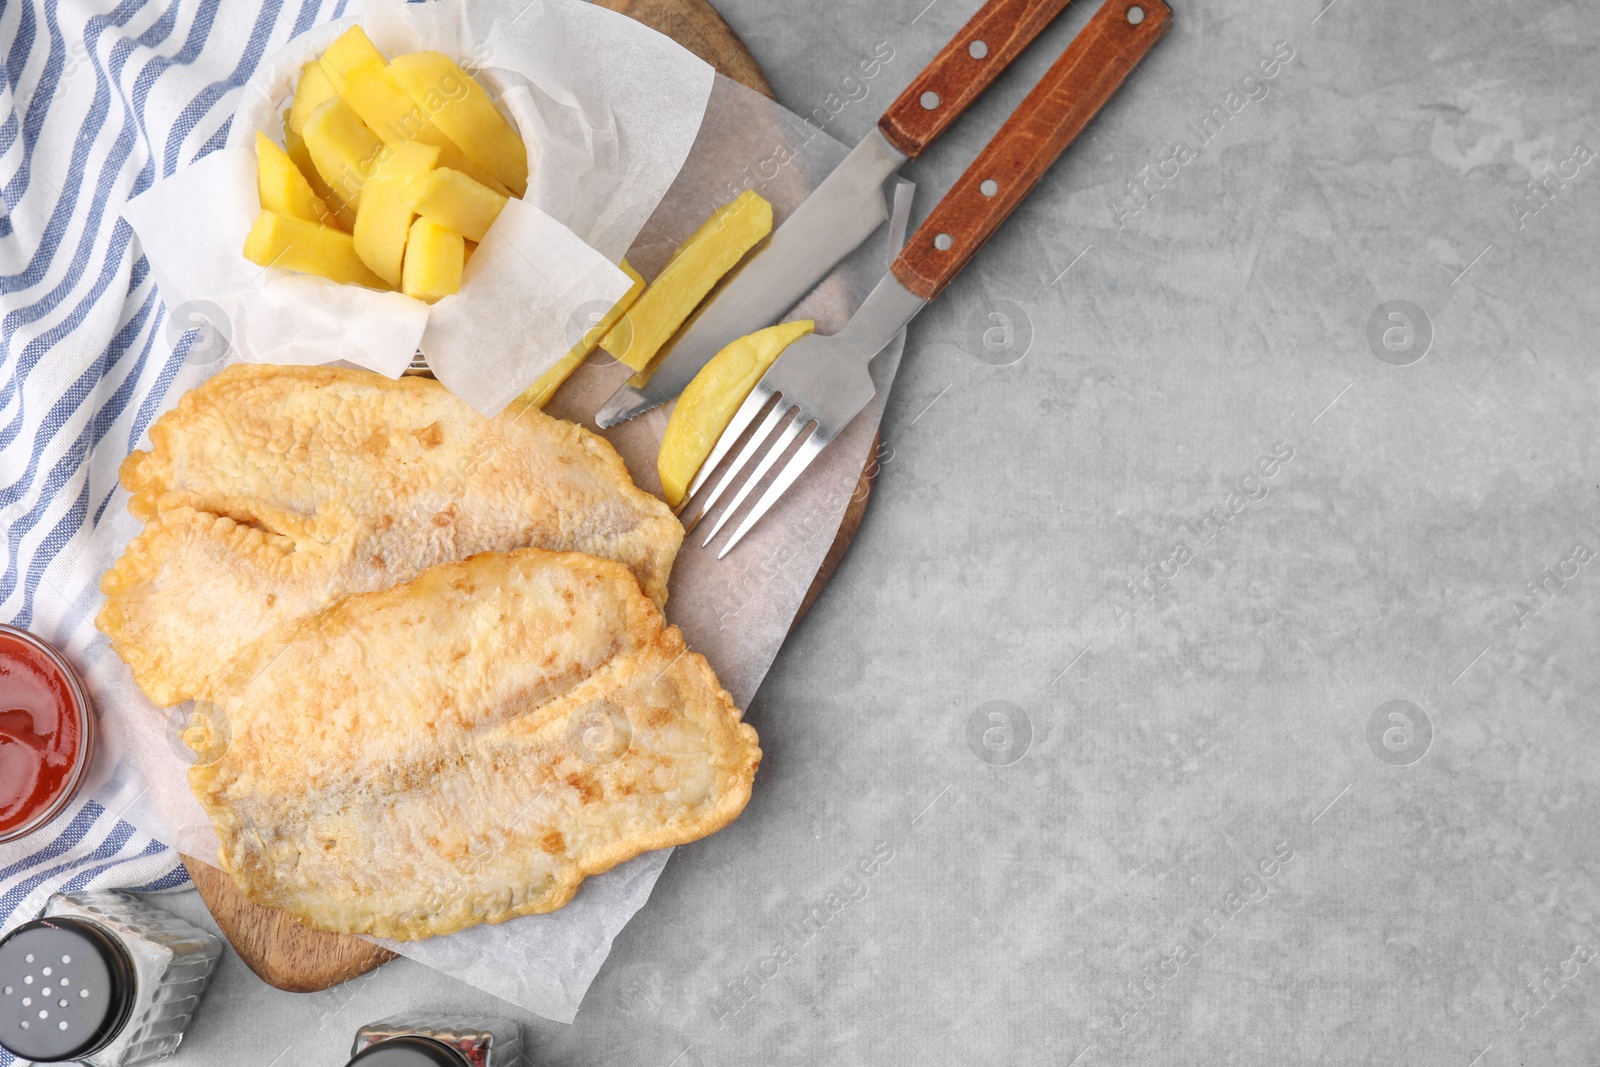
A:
[101,979]
[438,1041]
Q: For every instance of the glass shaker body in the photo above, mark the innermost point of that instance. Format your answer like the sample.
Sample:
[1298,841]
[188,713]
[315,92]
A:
[478,1041]
[101,979]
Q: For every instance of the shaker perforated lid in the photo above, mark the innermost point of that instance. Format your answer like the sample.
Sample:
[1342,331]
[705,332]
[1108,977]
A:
[409,1051]
[66,988]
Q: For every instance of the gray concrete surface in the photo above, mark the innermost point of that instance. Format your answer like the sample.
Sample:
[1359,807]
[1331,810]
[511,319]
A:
[1129,780]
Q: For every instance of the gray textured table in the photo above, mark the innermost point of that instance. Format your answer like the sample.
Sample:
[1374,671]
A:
[1172,512]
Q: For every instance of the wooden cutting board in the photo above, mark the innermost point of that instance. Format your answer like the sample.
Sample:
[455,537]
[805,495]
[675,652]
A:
[296,958]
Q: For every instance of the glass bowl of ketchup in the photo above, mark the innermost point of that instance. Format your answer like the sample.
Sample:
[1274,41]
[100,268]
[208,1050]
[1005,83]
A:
[46,740]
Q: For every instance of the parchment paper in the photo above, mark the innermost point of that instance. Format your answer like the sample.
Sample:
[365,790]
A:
[605,137]
[736,611]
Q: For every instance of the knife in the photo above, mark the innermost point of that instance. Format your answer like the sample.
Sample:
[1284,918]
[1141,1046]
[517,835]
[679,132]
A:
[849,205]
[820,383]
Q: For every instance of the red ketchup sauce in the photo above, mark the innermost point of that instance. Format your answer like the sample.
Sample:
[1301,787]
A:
[42,733]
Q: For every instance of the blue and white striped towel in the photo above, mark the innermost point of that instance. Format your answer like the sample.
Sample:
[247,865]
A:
[96,103]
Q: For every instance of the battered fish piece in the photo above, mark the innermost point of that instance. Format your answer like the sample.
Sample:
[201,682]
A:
[467,747]
[272,491]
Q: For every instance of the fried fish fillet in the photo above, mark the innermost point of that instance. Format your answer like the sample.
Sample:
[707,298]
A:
[467,747]
[271,491]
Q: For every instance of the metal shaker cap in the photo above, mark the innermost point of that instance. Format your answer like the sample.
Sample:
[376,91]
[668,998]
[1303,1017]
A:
[409,1052]
[66,989]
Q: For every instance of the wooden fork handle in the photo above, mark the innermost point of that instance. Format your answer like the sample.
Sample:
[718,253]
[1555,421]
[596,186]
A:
[1094,65]
[999,33]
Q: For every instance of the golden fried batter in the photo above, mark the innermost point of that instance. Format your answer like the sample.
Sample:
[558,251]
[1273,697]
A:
[271,491]
[467,747]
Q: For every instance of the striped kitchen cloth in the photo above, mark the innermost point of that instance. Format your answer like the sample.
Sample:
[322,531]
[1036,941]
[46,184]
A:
[84,847]
[97,101]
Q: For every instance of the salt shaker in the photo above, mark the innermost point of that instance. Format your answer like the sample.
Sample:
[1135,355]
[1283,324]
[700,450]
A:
[438,1041]
[101,979]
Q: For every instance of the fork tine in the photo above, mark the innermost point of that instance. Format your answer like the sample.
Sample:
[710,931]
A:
[799,424]
[810,448]
[748,410]
[751,447]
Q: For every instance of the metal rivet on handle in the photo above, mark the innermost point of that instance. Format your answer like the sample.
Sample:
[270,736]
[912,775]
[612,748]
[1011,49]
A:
[977,50]
[1135,15]
[943,242]
[930,100]
[989,187]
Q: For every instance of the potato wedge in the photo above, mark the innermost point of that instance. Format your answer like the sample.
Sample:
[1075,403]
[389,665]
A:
[540,392]
[343,149]
[700,262]
[460,107]
[294,244]
[710,400]
[354,69]
[434,256]
[384,218]
[454,200]
[343,215]
[282,187]
[360,75]
[313,90]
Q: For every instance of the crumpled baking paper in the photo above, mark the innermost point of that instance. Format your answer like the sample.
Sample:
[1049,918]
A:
[609,110]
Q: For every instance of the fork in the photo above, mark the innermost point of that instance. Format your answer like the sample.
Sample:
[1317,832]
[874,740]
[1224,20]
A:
[813,390]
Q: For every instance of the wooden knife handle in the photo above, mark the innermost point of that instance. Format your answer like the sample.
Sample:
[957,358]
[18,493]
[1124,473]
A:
[963,69]
[1097,61]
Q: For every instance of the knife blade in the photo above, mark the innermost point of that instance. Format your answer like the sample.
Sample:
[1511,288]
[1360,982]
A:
[849,205]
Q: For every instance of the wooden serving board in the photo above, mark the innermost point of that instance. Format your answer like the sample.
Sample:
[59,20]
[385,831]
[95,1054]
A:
[294,957]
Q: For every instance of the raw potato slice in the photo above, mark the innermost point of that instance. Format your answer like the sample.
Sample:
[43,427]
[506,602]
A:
[455,201]
[358,73]
[467,747]
[540,392]
[709,402]
[313,91]
[384,218]
[295,244]
[434,257]
[282,187]
[463,110]
[342,214]
[344,151]
[700,262]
